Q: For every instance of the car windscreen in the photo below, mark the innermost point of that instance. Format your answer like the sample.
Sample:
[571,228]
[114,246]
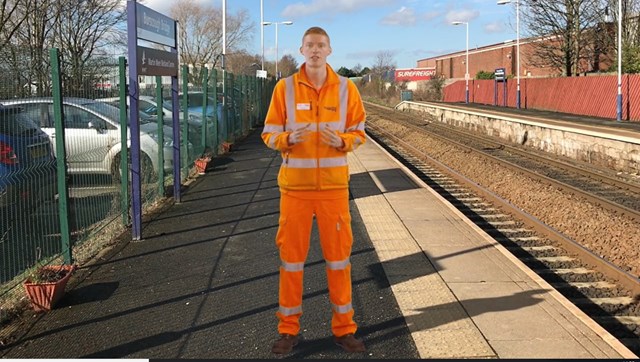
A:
[16,123]
[112,112]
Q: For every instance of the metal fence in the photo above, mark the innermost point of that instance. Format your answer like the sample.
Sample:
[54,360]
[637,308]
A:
[593,96]
[64,188]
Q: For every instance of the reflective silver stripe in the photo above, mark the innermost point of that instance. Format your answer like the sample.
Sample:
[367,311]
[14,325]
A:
[338,265]
[290,100]
[272,139]
[341,308]
[313,163]
[335,126]
[357,127]
[344,101]
[294,126]
[292,267]
[290,311]
[333,161]
[300,163]
[269,128]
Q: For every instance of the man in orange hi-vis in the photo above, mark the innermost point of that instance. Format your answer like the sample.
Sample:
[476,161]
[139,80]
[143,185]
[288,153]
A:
[314,119]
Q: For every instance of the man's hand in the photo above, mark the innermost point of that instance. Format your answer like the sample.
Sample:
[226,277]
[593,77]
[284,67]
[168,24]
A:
[331,138]
[298,135]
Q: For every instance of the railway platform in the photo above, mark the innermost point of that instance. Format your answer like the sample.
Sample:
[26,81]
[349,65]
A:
[203,281]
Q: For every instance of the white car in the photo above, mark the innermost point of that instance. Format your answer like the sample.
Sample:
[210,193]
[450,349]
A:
[92,135]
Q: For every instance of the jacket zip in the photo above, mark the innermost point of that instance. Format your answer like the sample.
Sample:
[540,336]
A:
[317,120]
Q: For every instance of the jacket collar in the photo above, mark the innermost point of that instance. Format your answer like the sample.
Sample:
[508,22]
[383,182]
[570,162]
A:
[332,77]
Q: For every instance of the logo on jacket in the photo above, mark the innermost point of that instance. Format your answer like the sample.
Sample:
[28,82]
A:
[332,109]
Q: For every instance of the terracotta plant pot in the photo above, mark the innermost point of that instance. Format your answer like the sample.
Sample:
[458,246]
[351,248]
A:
[226,147]
[45,294]
[201,165]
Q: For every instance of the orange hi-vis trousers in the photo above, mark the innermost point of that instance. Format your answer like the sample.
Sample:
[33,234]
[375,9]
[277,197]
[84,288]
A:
[331,210]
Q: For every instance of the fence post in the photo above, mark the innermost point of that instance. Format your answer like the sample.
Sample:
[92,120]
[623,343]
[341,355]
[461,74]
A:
[124,151]
[63,195]
[216,118]
[205,101]
[185,117]
[231,121]
[160,117]
[244,95]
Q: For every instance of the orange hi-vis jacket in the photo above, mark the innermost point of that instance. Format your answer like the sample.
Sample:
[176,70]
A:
[295,103]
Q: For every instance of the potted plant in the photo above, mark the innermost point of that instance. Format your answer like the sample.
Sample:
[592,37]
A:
[201,164]
[46,285]
[226,147]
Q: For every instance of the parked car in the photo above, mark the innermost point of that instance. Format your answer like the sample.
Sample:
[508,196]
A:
[148,106]
[92,135]
[195,102]
[27,166]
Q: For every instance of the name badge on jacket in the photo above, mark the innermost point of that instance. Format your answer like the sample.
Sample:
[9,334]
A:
[303,106]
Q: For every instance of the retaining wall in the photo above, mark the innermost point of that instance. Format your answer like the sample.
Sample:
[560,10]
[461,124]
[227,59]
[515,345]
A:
[620,152]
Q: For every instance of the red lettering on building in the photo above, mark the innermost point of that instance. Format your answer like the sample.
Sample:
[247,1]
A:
[413,74]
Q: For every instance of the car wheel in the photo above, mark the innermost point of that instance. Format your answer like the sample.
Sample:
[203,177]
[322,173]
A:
[147,172]
[116,171]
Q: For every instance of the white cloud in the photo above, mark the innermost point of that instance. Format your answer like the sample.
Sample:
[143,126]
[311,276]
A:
[495,27]
[430,15]
[403,16]
[461,15]
[330,7]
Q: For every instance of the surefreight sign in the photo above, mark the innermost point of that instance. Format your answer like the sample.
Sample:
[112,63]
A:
[413,74]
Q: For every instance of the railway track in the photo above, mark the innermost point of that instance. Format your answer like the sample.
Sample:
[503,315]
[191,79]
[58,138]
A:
[604,291]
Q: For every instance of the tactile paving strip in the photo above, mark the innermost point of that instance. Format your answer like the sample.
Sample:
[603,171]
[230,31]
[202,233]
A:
[439,325]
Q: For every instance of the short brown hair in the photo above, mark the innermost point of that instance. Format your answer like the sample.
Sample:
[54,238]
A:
[316,30]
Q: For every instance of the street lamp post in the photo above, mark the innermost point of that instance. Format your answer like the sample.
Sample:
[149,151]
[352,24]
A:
[503,2]
[466,75]
[276,24]
[262,31]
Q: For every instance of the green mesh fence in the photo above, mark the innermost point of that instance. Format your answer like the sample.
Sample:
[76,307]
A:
[37,225]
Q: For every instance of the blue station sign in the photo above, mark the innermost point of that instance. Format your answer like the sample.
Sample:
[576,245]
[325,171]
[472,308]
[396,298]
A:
[155,27]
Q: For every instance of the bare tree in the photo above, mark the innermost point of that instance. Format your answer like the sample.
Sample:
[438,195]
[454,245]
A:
[241,62]
[200,34]
[569,29]
[12,15]
[78,28]
[288,65]
[382,66]
[383,63]
[630,34]
[25,55]
[84,31]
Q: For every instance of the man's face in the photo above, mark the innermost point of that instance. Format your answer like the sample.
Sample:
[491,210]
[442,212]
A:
[316,49]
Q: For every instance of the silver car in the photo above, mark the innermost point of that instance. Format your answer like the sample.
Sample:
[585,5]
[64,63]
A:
[92,135]
[149,106]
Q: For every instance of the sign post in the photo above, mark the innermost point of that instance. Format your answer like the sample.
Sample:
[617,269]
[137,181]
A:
[499,76]
[147,24]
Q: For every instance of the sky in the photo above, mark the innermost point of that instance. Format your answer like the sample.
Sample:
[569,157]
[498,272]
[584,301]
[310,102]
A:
[359,29]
